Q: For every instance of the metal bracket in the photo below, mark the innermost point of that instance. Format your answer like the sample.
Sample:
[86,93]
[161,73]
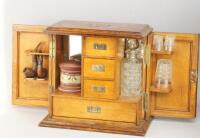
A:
[147,55]
[146,97]
[50,49]
[193,76]
[53,46]
[51,88]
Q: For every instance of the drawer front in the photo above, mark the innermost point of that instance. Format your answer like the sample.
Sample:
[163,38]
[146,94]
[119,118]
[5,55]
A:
[99,68]
[102,110]
[100,89]
[100,46]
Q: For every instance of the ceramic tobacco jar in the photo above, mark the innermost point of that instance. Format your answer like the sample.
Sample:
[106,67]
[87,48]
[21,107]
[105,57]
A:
[70,76]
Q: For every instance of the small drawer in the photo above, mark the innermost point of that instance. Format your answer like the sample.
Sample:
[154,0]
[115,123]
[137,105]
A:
[100,89]
[99,68]
[100,46]
[92,109]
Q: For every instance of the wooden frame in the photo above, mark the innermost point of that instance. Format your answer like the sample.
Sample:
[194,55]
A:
[97,126]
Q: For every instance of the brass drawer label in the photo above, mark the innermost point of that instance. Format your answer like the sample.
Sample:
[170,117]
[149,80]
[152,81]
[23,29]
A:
[93,109]
[99,89]
[98,46]
[98,68]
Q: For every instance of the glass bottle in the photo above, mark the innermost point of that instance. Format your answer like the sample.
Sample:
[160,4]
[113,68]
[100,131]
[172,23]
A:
[131,71]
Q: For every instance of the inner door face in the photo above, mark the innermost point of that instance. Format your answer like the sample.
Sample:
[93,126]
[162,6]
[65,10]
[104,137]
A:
[179,98]
[28,42]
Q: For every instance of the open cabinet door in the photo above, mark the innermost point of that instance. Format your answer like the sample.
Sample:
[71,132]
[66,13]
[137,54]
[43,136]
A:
[179,99]
[28,42]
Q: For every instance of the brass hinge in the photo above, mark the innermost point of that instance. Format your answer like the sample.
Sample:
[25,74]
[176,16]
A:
[146,97]
[52,47]
[50,50]
[194,76]
[51,88]
[147,55]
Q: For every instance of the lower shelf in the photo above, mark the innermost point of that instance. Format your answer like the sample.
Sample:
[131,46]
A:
[40,81]
[160,90]
[97,125]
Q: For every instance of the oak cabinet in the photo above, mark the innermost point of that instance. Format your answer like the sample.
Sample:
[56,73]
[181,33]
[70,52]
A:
[100,106]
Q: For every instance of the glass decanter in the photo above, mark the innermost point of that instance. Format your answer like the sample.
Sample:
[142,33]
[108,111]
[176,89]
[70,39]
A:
[131,74]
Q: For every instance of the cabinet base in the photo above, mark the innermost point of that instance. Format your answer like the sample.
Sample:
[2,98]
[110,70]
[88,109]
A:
[96,125]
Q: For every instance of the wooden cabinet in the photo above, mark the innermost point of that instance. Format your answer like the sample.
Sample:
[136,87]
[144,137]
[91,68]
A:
[100,106]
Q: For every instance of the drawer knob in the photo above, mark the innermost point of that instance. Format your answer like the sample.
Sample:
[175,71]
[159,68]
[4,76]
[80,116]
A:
[93,109]
[98,46]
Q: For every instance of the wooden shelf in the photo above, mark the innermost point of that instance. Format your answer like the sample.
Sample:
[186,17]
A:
[30,52]
[135,99]
[33,80]
[60,93]
[160,90]
[161,52]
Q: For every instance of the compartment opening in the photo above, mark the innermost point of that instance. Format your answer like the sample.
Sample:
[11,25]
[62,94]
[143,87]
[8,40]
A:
[68,64]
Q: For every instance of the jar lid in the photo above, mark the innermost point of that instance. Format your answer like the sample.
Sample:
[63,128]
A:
[76,57]
[70,65]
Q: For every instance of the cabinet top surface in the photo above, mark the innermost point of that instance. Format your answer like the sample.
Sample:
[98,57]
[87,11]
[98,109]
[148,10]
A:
[127,30]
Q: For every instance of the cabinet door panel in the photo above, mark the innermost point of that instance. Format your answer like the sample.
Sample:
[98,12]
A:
[180,102]
[29,91]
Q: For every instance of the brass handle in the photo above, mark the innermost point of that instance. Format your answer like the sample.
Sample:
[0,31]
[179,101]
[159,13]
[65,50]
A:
[98,68]
[93,109]
[98,46]
[99,89]
[193,76]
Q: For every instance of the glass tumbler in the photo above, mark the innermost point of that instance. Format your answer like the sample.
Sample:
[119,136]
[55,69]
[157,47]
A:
[169,43]
[158,42]
[163,73]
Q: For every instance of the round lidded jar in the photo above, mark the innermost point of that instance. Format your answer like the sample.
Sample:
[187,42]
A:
[70,76]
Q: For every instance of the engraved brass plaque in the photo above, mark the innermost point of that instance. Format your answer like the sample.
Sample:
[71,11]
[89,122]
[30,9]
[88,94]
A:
[93,109]
[99,89]
[101,46]
[98,68]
